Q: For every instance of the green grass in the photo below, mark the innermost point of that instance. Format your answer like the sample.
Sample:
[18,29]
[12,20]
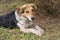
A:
[16,34]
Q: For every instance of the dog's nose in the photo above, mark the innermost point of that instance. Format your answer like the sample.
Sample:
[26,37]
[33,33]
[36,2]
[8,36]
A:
[33,18]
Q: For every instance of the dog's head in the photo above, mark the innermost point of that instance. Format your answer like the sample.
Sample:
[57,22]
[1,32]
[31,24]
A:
[27,10]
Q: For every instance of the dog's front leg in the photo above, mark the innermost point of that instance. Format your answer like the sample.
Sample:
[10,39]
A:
[35,31]
[31,30]
[39,28]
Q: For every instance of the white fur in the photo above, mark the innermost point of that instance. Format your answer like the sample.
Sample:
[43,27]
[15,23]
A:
[24,23]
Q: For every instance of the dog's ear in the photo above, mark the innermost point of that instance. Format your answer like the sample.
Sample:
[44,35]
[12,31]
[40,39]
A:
[23,10]
[20,9]
[34,6]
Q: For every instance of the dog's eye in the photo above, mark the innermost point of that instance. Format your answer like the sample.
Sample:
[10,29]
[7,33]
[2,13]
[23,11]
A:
[32,10]
[27,11]
[22,12]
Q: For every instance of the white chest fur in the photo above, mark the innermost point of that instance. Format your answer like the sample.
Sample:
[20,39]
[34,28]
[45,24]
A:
[22,21]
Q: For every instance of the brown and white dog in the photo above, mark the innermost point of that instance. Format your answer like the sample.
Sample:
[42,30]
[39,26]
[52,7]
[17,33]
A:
[24,15]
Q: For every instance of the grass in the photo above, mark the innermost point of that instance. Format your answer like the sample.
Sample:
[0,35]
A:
[52,31]
[16,34]
[10,5]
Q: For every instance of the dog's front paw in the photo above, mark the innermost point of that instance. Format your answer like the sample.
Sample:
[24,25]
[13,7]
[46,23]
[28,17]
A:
[40,34]
[40,30]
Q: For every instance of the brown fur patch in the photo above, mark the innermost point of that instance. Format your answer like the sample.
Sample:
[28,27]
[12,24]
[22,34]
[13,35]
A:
[26,10]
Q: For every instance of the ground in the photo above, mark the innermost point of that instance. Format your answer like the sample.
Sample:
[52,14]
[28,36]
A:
[50,25]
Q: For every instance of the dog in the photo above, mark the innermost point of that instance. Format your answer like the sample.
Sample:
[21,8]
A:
[22,17]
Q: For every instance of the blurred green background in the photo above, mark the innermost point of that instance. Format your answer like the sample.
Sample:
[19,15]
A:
[48,17]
